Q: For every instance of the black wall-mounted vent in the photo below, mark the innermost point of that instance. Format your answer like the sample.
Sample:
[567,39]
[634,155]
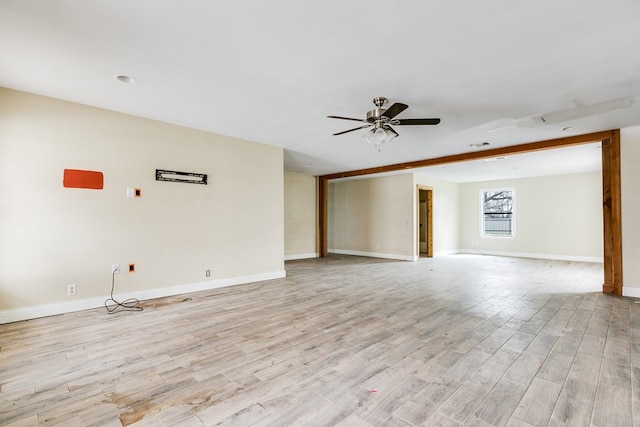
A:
[186,177]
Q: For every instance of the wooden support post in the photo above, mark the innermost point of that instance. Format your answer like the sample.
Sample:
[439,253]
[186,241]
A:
[612,215]
[323,217]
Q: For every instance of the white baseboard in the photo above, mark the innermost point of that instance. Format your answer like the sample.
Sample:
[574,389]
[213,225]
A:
[18,314]
[374,254]
[446,252]
[300,256]
[628,291]
[532,255]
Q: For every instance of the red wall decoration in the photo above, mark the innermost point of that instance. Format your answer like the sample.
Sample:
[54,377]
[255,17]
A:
[74,178]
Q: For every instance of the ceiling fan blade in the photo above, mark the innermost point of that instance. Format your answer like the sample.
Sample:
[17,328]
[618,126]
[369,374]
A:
[351,130]
[347,118]
[417,122]
[394,110]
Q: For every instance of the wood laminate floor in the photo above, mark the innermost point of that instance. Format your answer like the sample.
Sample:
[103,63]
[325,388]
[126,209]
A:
[342,341]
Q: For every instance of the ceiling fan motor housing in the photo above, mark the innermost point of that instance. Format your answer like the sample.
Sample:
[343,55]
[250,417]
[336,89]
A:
[376,115]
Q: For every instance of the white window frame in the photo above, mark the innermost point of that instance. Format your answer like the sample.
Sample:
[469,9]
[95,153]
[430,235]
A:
[513,213]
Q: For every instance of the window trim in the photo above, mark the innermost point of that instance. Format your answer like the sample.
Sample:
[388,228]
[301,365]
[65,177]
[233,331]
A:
[513,212]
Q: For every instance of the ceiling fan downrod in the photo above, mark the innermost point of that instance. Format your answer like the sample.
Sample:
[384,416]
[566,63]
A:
[376,114]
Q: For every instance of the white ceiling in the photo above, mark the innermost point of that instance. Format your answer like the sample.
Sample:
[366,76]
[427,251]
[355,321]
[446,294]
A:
[272,71]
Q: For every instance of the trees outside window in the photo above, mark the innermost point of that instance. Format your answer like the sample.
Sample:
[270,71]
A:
[497,212]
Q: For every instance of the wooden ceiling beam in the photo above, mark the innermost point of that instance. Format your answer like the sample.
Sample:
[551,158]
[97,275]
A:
[475,155]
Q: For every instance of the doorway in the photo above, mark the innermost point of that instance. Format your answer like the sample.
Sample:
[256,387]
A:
[424,221]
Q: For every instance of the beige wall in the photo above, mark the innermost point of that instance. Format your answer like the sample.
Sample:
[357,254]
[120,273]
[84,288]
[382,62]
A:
[445,213]
[374,217]
[557,217]
[300,216]
[378,217]
[53,236]
[630,182]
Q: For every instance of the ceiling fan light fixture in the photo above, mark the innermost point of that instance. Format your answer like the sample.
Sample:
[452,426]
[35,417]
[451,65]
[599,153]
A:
[378,137]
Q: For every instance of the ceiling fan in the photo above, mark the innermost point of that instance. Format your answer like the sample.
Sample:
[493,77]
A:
[381,120]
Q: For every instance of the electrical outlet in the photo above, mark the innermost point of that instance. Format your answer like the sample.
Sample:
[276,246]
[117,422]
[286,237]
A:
[207,273]
[71,290]
[115,268]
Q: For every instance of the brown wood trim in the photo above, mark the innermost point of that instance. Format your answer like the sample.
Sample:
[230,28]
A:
[616,225]
[429,224]
[607,285]
[494,152]
[612,215]
[323,217]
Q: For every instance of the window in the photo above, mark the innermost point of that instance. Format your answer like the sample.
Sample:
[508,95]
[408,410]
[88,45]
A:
[497,212]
